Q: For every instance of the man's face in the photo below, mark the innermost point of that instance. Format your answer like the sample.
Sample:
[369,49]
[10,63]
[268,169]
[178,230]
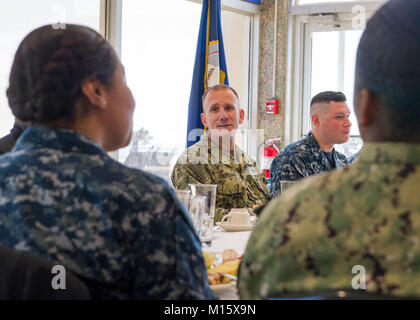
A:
[335,124]
[221,112]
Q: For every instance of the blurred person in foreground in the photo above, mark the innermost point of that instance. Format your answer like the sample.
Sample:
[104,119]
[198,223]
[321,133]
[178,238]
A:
[367,214]
[121,230]
[315,153]
[216,159]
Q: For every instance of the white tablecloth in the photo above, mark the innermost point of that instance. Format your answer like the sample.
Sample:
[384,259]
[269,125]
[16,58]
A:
[229,240]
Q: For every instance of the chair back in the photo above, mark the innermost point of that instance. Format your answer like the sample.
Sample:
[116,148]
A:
[24,276]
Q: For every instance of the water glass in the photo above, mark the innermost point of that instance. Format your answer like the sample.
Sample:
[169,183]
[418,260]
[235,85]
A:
[209,191]
[197,204]
[184,196]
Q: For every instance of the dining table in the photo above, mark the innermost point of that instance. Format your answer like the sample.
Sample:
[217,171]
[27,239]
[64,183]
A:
[222,240]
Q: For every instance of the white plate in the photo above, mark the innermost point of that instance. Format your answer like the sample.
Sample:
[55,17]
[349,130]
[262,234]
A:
[222,287]
[235,227]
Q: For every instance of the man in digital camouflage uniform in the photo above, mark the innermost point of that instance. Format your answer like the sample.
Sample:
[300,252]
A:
[367,214]
[315,153]
[217,160]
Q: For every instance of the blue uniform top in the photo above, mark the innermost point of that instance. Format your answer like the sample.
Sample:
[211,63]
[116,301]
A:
[121,229]
[302,159]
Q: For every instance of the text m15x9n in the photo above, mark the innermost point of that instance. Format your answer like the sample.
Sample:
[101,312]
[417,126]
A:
[231,309]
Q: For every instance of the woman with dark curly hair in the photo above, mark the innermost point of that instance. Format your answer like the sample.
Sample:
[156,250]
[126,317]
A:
[119,229]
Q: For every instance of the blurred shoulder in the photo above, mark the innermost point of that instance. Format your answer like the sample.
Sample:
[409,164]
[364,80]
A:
[312,192]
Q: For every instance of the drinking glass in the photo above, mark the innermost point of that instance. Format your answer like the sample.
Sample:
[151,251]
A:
[197,204]
[184,196]
[209,191]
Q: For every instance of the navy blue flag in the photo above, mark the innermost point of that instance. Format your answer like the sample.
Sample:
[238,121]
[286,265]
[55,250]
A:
[210,65]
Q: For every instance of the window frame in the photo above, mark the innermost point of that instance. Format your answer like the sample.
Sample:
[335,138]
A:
[110,22]
[111,25]
[110,28]
[54,13]
[253,12]
[301,23]
[331,7]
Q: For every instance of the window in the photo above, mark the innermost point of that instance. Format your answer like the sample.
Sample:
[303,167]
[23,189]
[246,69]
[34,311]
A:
[158,44]
[322,56]
[299,7]
[18,18]
[157,41]
[300,2]
[236,30]
[332,66]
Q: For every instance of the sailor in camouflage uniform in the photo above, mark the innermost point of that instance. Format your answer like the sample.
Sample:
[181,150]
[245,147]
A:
[315,153]
[121,230]
[367,214]
[240,183]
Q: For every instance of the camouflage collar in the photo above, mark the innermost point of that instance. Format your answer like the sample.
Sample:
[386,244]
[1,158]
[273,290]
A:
[313,143]
[37,137]
[319,153]
[389,152]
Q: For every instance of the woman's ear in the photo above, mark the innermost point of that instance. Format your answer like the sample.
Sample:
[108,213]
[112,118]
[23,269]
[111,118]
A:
[95,92]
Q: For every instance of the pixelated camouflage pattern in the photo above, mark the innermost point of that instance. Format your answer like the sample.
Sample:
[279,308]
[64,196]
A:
[240,183]
[353,157]
[64,198]
[301,159]
[367,214]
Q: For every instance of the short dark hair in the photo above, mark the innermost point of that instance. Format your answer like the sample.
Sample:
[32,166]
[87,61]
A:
[49,68]
[328,96]
[387,63]
[219,87]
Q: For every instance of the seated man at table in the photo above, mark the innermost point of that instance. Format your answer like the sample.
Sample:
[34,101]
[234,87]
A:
[355,228]
[215,159]
[315,153]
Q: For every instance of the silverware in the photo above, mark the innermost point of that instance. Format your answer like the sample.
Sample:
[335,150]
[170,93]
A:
[228,275]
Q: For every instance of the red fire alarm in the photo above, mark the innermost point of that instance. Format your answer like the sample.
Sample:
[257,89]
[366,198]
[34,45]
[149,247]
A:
[272,106]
